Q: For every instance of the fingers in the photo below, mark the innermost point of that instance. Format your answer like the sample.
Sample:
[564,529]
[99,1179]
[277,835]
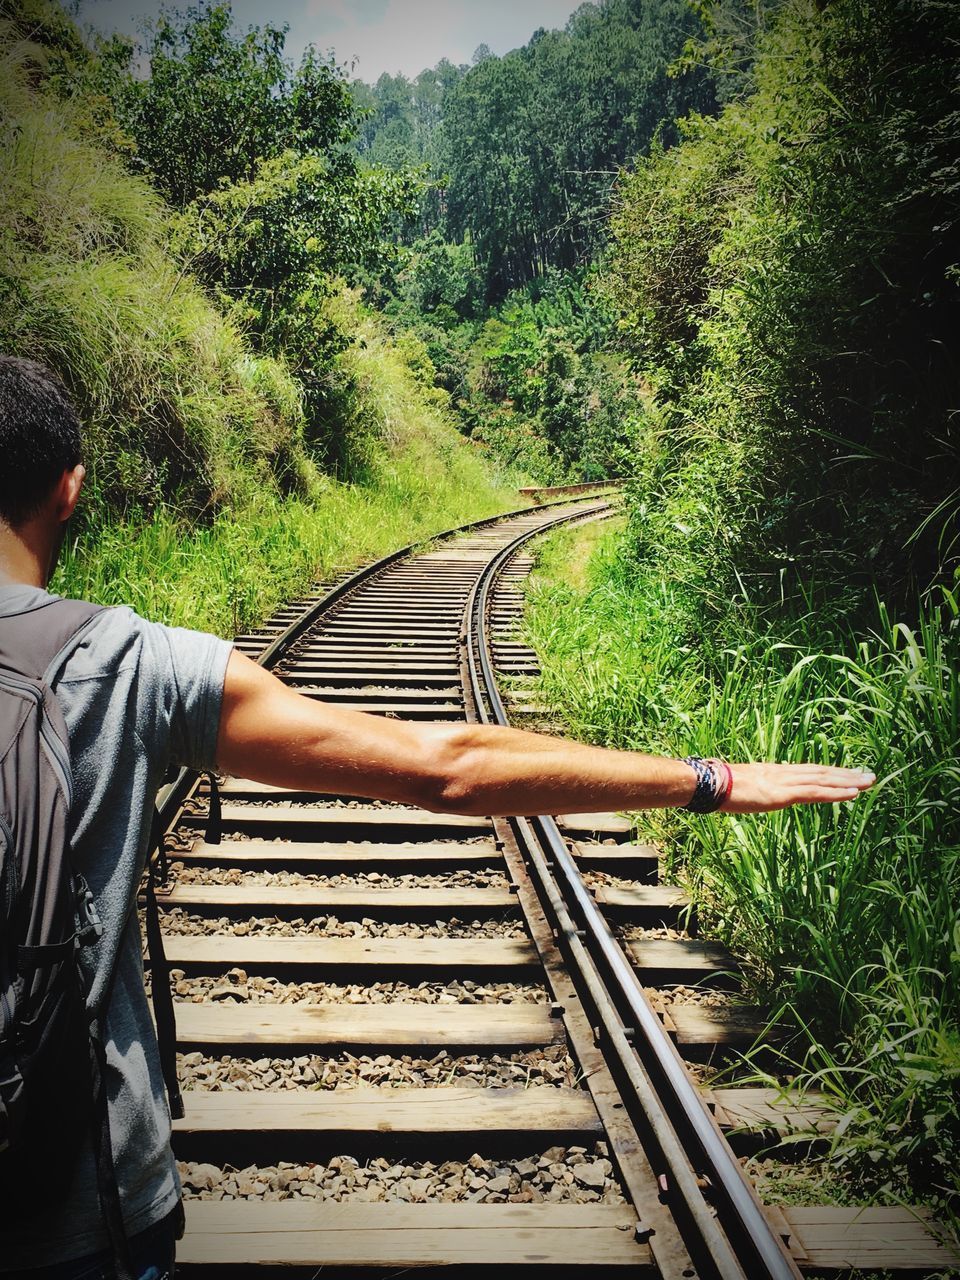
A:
[760,788]
[827,775]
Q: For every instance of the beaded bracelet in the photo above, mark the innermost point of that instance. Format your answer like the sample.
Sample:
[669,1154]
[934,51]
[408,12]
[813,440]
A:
[714,784]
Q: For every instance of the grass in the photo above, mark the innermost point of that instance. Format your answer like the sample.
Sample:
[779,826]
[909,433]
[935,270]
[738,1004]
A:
[846,915]
[176,406]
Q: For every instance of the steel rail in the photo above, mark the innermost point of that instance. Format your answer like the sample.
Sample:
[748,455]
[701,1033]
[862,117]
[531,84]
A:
[666,1104]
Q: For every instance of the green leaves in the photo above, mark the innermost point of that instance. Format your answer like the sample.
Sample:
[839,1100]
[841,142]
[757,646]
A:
[273,206]
[270,249]
[532,141]
[216,103]
[785,279]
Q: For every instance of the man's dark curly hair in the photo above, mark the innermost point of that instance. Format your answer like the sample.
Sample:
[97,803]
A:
[39,437]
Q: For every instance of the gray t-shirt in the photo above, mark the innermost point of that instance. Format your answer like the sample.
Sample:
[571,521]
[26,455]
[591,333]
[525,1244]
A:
[137,697]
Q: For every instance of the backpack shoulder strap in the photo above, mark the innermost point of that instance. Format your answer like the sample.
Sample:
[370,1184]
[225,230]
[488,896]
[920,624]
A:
[30,641]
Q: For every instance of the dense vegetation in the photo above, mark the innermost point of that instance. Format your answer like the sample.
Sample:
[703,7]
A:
[524,148]
[713,249]
[845,918]
[787,282]
[520,154]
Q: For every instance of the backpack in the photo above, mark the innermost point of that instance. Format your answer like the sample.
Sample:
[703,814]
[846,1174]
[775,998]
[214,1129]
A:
[51,1053]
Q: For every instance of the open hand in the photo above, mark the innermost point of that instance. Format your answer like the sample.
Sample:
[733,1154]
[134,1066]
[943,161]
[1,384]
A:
[759,788]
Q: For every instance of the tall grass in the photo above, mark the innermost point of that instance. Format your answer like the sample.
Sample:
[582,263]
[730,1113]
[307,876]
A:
[848,914]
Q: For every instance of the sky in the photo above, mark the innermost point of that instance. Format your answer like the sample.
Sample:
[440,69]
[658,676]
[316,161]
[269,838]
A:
[382,35]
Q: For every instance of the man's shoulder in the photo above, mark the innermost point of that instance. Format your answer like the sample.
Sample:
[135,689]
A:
[38,628]
[118,638]
[114,638]
[20,597]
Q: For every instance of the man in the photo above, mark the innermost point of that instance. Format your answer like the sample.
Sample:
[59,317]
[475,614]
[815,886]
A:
[137,697]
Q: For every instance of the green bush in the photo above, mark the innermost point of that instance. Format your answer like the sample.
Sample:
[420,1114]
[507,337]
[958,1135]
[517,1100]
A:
[533,381]
[789,282]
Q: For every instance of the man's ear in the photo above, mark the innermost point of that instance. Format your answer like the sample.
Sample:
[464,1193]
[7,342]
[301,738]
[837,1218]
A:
[68,491]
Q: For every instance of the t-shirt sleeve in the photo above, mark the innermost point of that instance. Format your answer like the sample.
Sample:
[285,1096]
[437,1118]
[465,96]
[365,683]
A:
[189,667]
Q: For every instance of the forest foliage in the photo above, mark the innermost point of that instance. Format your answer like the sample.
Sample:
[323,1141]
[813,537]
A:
[787,283]
[524,148]
[520,154]
[175,405]
[273,204]
[711,248]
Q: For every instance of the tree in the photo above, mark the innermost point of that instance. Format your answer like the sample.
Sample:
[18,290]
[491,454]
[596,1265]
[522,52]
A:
[217,103]
[273,199]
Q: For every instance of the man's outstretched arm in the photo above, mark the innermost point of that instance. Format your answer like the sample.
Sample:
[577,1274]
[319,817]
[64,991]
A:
[272,734]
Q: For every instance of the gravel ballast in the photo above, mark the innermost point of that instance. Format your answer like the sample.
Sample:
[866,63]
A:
[640,933]
[482,878]
[237,987]
[559,1175]
[534,1068]
[607,880]
[178,921]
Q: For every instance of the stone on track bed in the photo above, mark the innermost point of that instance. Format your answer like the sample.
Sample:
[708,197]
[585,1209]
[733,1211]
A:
[178,921]
[534,1068]
[558,1175]
[640,933]
[237,987]
[482,878]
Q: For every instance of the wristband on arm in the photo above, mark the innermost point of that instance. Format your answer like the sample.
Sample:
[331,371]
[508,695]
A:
[714,784]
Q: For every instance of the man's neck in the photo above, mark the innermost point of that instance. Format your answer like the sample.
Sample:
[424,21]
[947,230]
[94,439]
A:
[24,557]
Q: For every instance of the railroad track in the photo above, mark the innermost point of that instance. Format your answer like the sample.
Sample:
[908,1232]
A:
[411,1039]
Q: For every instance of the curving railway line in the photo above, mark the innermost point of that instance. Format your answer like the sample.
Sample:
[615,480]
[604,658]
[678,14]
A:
[419,1040]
